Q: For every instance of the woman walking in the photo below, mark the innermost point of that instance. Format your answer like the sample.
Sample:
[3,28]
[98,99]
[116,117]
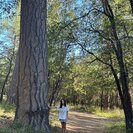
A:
[63,114]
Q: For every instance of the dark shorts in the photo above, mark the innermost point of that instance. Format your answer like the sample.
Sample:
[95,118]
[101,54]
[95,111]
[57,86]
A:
[63,120]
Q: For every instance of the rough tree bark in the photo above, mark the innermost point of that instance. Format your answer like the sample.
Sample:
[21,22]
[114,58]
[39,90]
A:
[32,88]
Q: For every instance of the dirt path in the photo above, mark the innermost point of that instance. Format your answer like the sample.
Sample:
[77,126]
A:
[85,123]
[78,123]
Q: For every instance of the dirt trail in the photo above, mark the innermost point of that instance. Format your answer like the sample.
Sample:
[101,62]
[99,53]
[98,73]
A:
[78,123]
[85,123]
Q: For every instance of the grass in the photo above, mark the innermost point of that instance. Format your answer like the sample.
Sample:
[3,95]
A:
[6,110]
[117,113]
[17,127]
[7,124]
[116,117]
[7,116]
[116,127]
[54,122]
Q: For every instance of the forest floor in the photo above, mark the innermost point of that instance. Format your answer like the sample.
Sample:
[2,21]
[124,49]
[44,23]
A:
[81,122]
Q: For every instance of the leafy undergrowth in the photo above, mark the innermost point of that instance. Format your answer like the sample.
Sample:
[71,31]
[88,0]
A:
[55,124]
[116,127]
[6,110]
[8,126]
[17,127]
[117,113]
[6,121]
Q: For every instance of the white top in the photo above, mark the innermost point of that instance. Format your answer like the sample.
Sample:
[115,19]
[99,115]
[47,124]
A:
[63,112]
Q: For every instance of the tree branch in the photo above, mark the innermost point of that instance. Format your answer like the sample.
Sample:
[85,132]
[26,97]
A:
[91,53]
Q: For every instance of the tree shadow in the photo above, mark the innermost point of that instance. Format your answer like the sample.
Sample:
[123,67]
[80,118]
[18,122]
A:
[56,129]
[86,123]
[5,121]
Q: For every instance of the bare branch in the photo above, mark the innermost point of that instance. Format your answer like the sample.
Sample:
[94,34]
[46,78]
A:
[91,53]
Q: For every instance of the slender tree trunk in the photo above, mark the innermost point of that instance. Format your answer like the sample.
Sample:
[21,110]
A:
[32,90]
[54,91]
[127,104]
[101,100]
[116,101]
[12,93]
[111,101]
[131,3]
[123,84]
[106,100]
[3,86]
[118,84]
[125,100]
[8,73]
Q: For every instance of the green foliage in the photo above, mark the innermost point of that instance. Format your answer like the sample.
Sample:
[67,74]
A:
[6,107]
[6,110]
[83,78]
[118,127]
[116,117]
[17,127]
[116,113]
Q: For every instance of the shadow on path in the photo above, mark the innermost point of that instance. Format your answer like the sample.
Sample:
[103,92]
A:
[85,123]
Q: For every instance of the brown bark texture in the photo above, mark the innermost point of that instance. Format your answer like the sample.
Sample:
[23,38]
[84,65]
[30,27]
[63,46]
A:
[32,88]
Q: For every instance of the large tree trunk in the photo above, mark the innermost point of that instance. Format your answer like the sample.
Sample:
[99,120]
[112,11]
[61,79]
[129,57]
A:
[32,108]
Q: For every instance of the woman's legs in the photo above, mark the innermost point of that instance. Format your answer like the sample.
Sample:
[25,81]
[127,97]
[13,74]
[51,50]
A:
[63,127]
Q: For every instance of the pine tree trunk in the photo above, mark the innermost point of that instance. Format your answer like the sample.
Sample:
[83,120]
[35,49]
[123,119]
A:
[32,108]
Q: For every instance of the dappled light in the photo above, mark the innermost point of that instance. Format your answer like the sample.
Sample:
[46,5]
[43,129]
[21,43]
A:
[66,66]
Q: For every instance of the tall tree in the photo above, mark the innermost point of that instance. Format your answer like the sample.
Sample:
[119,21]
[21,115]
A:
[32,85]
[123,85]
[114,43]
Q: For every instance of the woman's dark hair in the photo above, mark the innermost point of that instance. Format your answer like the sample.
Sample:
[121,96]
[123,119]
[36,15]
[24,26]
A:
[62,104]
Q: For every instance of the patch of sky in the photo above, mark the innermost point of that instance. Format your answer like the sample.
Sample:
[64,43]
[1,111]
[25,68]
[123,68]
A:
[7,10]
[81,33]
[5,42]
